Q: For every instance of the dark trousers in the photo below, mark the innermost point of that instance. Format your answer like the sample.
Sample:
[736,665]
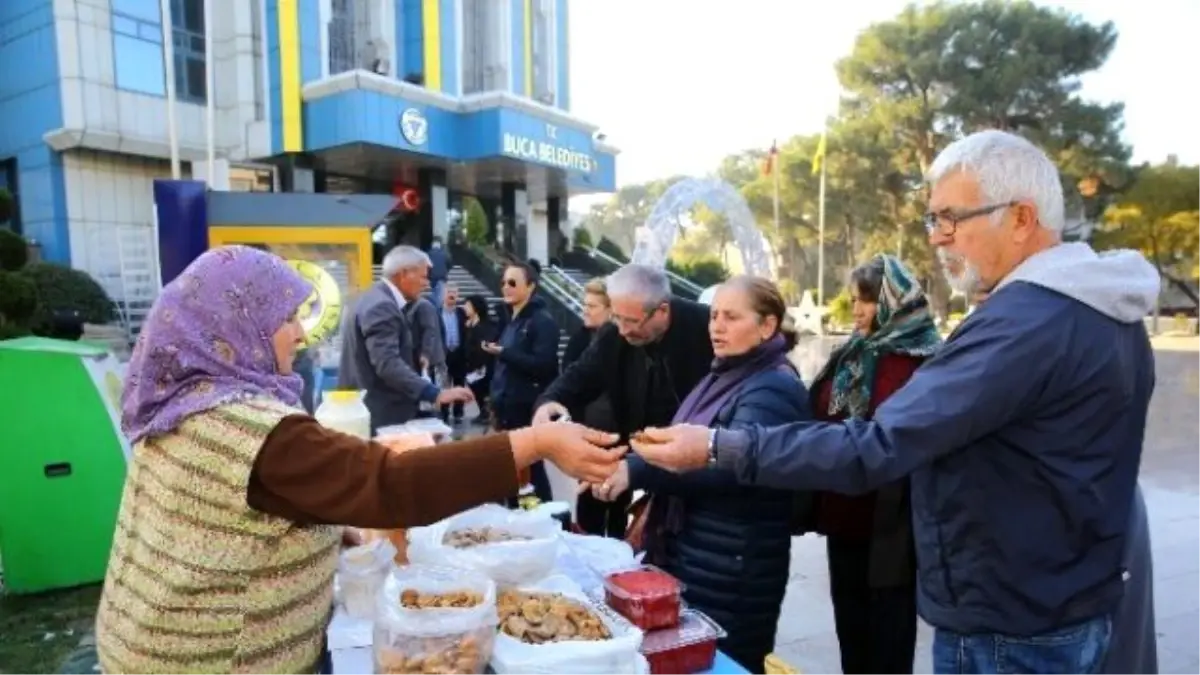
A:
[604,519]
[876,627]
[456,368]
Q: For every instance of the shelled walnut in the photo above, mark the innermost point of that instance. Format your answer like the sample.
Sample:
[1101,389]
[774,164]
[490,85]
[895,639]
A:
[466,653]
[413,599]
[537,618]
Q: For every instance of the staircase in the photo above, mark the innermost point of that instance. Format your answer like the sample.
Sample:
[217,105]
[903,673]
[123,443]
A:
[467,284]
[577,275]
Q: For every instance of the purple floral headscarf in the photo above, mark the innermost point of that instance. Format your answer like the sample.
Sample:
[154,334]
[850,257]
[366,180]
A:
[207,340]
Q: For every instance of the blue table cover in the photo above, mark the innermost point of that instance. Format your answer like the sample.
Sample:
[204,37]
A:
[724,665]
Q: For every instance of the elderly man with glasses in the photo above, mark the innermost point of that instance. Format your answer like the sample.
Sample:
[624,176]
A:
[1022,436]
[654,351]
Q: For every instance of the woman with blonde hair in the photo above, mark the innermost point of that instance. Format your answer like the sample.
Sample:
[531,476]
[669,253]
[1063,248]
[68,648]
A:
[605,519]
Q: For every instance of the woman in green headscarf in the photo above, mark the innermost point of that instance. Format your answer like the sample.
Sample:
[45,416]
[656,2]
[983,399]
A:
[872,569]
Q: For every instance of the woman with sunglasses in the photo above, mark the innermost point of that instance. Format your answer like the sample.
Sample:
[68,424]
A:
[526,359]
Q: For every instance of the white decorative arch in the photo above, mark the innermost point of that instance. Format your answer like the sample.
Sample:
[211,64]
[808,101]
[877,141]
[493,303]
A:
[656,237]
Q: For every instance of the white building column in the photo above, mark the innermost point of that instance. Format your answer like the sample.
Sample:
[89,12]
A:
[537,233]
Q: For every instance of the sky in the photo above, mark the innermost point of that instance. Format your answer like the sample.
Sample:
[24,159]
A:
[679,84]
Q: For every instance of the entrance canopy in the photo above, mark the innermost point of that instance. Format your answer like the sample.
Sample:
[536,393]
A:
[370,126]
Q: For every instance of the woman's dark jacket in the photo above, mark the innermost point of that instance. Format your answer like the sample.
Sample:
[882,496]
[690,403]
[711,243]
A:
[734,547]
[885,515]
[598,414]
[527,364]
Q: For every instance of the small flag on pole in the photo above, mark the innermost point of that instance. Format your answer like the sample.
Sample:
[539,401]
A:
[769,164]
[819,156]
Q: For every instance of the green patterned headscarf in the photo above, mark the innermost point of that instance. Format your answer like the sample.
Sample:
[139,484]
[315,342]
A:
[905,327]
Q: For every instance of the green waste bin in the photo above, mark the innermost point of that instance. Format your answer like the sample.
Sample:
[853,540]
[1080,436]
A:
[62,462]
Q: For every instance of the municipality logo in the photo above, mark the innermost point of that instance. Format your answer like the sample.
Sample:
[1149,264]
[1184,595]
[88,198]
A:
[414,127]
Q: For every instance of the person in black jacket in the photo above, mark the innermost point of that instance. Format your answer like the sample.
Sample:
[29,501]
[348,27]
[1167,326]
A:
[730,545]
[480,328]
[452,320]
[606,519]
[646,361]
[526,359]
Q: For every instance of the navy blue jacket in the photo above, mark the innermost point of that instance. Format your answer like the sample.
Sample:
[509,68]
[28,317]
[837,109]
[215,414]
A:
[1023,438]
[734,549]
[527,364]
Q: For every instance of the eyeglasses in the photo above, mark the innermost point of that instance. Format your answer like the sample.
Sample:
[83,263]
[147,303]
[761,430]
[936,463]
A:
[627,322]
[934,220]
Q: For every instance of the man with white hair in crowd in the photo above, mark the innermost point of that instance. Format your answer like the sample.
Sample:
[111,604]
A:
[1023,436]
[655,350]
[378,346]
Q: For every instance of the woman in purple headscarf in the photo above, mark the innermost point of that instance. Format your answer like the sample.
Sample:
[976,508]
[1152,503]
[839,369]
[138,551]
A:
[228,531]
[730,545]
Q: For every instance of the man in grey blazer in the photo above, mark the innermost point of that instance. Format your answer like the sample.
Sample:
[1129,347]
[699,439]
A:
[378,349]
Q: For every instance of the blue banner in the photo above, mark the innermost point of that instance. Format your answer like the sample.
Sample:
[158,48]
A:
[181,219]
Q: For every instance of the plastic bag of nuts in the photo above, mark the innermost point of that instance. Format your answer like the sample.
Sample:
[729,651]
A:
[434,620]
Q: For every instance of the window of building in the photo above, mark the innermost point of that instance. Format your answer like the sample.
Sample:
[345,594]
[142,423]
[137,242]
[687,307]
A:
[190,73]
[485,54]
[543,51]
[8,183]
[137,48]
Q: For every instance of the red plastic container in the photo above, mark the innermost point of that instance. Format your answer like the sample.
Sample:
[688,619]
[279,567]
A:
[646,595]
[689,647]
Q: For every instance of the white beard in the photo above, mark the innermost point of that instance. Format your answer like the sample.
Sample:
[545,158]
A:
[967,281]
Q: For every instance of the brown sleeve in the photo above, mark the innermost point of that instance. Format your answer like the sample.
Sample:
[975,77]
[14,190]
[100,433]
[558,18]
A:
[312,475]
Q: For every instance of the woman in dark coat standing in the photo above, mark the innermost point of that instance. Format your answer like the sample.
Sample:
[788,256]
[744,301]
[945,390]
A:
[869,539]
[593,516]
[729,544]
[480,329]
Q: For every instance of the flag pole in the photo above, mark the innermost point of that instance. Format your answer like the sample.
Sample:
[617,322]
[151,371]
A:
[210,104]
[775,177]
[821,229]
[168,35]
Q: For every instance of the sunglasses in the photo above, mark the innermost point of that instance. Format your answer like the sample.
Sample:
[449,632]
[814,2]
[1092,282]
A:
[511,283]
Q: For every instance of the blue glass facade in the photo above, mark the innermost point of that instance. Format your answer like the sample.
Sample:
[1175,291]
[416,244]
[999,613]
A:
[31,104]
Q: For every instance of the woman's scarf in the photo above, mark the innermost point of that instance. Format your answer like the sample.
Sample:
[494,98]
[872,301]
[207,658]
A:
[208,340]
[667,512]
[905,327]
[726,378]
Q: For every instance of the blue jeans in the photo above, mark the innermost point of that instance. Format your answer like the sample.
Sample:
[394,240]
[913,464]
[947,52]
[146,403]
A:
[1080,648]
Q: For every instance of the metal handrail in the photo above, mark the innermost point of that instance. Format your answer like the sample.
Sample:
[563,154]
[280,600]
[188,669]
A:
[682,281]
[571,283]
[567,298]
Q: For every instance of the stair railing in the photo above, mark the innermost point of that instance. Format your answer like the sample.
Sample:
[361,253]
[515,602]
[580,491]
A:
[681,285]
[488,267]
[567,282]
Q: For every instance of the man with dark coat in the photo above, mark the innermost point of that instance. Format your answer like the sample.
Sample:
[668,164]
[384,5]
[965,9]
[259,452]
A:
[647,361]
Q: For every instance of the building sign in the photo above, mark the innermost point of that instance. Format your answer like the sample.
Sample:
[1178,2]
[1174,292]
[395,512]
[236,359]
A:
[547,151]
[414,127]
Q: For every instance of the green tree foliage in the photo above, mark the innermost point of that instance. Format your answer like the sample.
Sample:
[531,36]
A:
[64,289]
[619,217]
[14,251]
[583,238]
[7,205]
[475,221]
[1159,215]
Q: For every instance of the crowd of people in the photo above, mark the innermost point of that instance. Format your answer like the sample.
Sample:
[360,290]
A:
[985,481]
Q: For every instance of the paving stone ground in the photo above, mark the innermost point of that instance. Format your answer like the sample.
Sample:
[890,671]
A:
[1170,477]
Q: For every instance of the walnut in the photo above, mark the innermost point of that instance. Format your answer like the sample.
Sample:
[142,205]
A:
[537,618]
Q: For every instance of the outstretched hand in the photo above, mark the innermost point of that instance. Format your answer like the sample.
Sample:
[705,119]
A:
[683,447]
[582,453]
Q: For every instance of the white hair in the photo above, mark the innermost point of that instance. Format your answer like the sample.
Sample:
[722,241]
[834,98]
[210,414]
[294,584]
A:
[403,258]
[1008,168]
[643,282]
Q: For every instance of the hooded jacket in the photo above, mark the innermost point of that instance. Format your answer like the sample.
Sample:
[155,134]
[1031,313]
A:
[1022,436]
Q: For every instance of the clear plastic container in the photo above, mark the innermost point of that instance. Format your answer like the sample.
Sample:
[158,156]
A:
[344,411]
[417,638]
[689,647]
[361,573]
[647,596]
